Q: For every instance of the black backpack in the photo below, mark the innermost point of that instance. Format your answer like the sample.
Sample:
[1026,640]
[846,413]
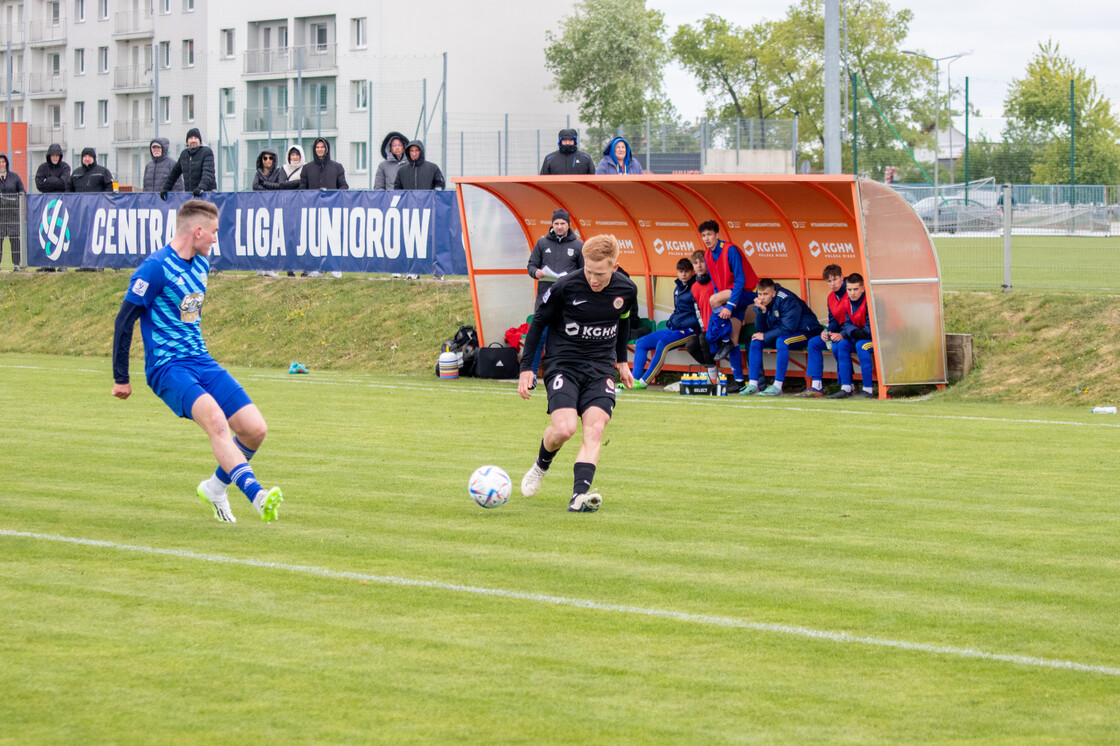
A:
[465,341]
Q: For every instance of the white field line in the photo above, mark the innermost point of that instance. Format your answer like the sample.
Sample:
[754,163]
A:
[676,401]
[580,603]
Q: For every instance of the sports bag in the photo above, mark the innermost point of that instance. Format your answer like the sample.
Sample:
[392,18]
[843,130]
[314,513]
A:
[497,361]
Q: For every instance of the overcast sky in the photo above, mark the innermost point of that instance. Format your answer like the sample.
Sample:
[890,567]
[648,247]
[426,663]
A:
[1001,36]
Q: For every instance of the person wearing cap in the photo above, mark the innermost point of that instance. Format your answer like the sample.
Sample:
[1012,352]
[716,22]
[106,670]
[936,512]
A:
[557,253]
[195,165]
[569,160]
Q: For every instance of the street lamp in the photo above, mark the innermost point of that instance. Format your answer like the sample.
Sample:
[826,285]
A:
[937,127]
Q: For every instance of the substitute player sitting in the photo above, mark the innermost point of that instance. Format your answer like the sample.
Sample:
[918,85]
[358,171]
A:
[680,330]
[855,332]
[783,322]
[166,295]
[587,315]
[837,292]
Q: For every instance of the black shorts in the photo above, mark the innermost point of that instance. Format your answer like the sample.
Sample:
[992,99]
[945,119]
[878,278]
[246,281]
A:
[580,390]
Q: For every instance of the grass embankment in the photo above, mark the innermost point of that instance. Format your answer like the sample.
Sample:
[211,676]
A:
[1057,348]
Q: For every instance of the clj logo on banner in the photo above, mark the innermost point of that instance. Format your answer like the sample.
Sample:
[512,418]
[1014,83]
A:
[54,229]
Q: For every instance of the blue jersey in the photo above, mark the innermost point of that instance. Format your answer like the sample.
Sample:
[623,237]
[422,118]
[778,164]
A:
[171,290]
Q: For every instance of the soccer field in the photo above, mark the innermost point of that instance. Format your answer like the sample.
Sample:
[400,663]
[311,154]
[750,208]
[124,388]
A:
[783,571]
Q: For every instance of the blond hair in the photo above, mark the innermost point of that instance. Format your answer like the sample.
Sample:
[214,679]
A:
[194,209]
[601,247]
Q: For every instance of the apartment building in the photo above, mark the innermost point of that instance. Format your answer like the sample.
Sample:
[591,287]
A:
[110,74]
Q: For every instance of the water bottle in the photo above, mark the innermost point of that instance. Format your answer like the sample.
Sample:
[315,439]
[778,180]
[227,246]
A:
[1103,410]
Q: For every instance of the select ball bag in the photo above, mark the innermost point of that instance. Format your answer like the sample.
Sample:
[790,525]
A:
[497,361]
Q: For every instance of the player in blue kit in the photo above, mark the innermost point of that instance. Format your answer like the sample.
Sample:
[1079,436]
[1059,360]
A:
[166,295]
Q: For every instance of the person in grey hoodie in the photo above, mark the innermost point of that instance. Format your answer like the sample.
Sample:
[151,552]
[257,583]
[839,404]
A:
[418,173]
[53,172]
[160,166]
[392,147]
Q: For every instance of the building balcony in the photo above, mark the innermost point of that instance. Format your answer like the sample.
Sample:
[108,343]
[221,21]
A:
[288,61]
[312,119]
[289,119]
[259,120]
[46,85]
[12,35]
[46,33]
[133,131]
[134,24]
[127,79]
[45,134]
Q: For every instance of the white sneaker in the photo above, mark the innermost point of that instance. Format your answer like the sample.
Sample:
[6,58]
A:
[336,274]
[267,503]
[585,502]
[219,503]
[531,482]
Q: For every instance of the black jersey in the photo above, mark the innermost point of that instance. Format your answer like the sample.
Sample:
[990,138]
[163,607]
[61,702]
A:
[585,328]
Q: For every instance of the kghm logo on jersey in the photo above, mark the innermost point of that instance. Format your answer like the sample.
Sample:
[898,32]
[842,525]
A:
[54,229]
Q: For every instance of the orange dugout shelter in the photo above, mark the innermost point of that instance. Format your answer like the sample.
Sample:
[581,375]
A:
[788,227]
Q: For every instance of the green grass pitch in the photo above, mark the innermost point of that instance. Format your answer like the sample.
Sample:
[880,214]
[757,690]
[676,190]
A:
[783,571]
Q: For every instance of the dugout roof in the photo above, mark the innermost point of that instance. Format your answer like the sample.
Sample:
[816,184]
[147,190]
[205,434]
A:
[789,228]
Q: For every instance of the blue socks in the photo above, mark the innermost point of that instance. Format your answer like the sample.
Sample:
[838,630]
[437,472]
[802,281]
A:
[243,474]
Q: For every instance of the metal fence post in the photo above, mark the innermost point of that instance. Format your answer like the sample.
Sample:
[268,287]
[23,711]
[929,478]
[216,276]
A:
[369,146]
[647,143]
[738,145]
[538,145]
[462,156]
[507,144]
[1007,210]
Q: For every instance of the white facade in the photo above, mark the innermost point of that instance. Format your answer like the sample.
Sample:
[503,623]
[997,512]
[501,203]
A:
[109,74]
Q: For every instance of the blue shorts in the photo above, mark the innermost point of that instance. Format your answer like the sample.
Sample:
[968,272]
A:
[181,382]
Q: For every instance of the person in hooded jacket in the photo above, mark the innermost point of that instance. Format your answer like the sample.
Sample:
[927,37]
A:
[618,160]
[269,173]
[392,147]
[418,173]
[90,176]
[321,172]
[569,159]
[155,173]
[11,186]
[195,165]
[53,172]
[293,169]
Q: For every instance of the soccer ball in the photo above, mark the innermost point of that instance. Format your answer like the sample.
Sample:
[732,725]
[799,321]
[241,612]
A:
[490,486]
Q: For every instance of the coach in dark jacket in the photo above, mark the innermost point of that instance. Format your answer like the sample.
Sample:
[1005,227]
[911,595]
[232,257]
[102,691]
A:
[155,173]
[90,177]
[53,172]
[195,165]
[418,173]
[270,174]
[569,159]
[321,172]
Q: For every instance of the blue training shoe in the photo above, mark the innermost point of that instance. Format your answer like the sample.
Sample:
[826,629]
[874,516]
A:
[297,368]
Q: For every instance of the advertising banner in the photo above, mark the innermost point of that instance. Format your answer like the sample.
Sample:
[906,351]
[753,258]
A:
[415,232]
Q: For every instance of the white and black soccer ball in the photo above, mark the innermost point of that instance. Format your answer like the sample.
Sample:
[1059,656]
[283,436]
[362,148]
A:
[490,486]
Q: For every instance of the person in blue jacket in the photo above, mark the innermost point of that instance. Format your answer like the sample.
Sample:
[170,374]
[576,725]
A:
[618,160]
[681,330]
[855,331]
[784,322]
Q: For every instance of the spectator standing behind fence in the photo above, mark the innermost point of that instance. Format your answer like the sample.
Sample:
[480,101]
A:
[418,173]
[155,173]
[569,160]
[321,172]
[11,186]
[90,176]
[269,175]
[195,165]
[618,160]
[293,168]
[53,172]
[392,147]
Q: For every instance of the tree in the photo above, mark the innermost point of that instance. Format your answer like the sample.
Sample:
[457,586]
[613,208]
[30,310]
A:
[609,57]
[1038,110]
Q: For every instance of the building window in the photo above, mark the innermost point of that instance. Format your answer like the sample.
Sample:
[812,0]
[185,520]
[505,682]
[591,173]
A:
[165,109]
[103,113]
[188,52]
[227,43]
[165,7]
[54,64]
[165,55]
[55,10]
[319,37]
[359,95]
[282,37]
[188,6]
[360,152]
[103,10]
[103,60]
[79,10]
[188,108]
[358,33]
[229,105]
[79,62]
[79,113]
[229,159]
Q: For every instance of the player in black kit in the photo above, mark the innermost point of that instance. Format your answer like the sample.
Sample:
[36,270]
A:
[587,315]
